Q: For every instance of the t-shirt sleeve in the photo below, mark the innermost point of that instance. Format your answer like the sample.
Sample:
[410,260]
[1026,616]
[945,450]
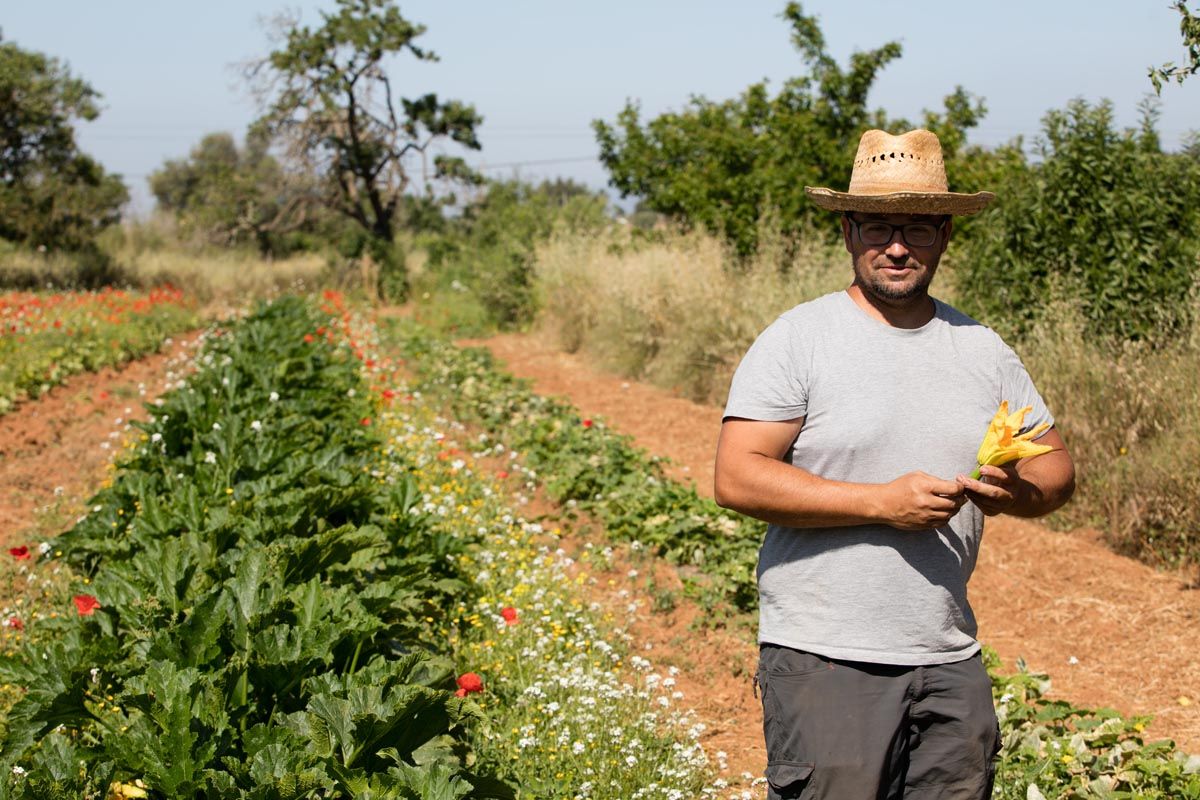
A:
[1017,387]
[771,382]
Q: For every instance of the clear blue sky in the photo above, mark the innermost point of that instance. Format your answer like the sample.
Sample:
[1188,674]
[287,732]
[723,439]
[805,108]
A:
[540,70]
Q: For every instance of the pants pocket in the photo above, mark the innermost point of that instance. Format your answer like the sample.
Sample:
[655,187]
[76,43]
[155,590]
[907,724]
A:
[787,778]
[789,767]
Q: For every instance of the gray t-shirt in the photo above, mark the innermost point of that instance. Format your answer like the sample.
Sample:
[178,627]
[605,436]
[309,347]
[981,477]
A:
[877,402]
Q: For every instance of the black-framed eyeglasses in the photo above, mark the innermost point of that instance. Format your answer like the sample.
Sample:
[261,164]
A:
[877,233]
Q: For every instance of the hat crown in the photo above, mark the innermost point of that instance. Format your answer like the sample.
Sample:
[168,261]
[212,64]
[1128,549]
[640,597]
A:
[910,162]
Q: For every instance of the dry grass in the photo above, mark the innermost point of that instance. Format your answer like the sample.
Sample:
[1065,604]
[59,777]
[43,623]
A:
[211,276]
[225,276]
[1129,413]
[674,310]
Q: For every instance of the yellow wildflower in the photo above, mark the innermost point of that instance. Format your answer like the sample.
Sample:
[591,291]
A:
[1001,444]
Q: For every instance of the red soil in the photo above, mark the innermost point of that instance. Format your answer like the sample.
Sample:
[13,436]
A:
[54,451]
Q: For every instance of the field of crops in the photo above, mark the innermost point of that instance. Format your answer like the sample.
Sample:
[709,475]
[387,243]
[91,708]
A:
[310,577]
[45,338]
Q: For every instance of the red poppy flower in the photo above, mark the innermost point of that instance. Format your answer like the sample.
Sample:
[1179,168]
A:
[365,421]
[308,338]
[502,474]
[19,553]
[16,624]
[388,394]
[86,604]
[469,683]
[510,615]
[587,423]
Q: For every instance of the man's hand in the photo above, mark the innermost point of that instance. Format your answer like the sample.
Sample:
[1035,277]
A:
[995,491]
[1031,487]
[918,501]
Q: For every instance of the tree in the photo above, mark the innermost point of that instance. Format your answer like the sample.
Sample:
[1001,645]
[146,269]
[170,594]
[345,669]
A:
[51,195]
[1104,215]
[727,165]
[1189,30]
[330,101]
[226,195]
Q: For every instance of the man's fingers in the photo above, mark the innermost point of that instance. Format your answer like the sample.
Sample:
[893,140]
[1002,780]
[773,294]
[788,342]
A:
[944,488]
[941,503]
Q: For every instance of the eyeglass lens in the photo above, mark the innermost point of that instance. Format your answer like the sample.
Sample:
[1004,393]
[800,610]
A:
[915,234]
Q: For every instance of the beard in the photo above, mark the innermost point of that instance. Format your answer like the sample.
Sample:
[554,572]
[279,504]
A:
[915,286]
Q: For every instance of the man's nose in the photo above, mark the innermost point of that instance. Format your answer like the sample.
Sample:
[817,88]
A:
[896,247]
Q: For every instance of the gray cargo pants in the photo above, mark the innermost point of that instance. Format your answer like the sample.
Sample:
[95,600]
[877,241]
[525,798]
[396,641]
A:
[845,730]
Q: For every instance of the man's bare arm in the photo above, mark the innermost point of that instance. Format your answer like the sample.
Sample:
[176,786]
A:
[1030,487]
[752,478]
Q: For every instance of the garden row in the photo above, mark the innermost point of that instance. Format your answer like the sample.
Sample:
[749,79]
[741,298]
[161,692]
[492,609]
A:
[46,338]
[291,589]
[1056,748]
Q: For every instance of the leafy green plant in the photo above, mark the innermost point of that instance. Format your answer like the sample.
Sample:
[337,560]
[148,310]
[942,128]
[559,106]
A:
[252,601]
[1063,751]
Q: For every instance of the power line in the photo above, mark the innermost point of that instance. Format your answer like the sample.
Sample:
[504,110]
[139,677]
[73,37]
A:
[537,162]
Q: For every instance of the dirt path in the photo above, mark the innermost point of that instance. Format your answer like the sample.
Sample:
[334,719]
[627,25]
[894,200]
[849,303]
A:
[54,451]
[1110,631]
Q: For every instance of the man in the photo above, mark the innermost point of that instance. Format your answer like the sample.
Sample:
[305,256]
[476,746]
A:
[851,428]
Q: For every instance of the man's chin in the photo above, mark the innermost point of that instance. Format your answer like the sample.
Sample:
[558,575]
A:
[899,292]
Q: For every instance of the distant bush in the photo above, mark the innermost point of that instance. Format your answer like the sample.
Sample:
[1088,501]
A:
[1106,216]
[489,249]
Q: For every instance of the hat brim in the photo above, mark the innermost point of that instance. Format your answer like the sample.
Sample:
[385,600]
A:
[953,203]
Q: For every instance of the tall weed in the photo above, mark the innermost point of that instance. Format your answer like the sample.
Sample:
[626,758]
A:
[676,309]
[1128,413]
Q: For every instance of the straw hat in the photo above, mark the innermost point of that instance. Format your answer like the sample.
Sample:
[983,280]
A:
[899,175]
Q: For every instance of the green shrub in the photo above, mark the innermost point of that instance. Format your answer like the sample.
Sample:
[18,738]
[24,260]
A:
[490,248]
[1107,214]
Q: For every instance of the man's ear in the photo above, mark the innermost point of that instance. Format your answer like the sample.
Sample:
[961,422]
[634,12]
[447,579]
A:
[846,233]
[949,229]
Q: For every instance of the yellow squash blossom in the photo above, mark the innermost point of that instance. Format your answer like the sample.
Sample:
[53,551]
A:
[127,791]
[1001,444]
